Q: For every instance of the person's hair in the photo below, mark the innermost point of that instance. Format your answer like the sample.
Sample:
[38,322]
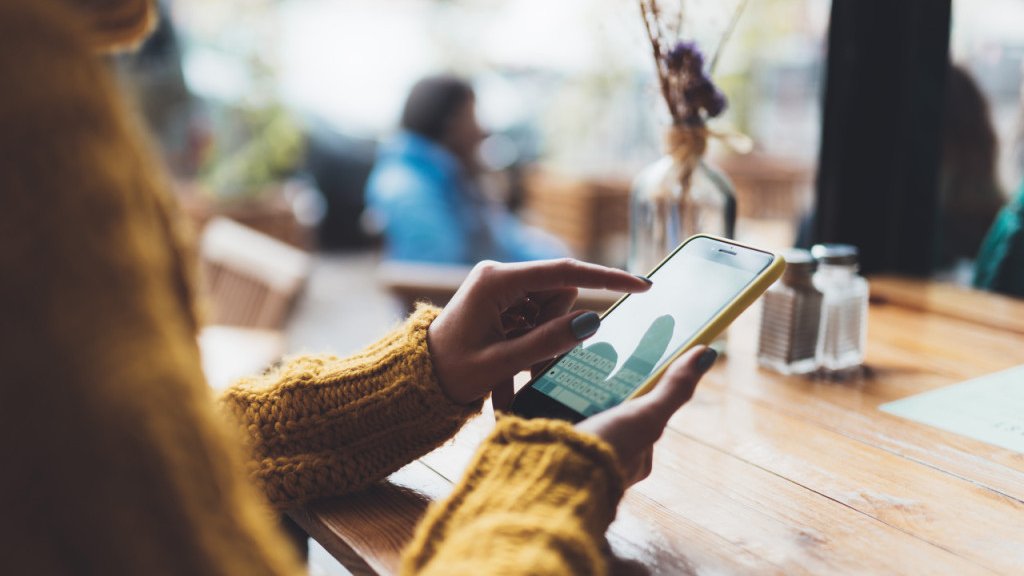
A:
[971,193]
[969,140]
[432,103]
[116,24]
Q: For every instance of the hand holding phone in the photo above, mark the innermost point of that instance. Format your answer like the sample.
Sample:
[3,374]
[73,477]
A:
[474,348]
[632,428]
[698,290]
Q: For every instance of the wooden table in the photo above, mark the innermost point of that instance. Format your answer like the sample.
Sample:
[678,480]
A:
[765,474]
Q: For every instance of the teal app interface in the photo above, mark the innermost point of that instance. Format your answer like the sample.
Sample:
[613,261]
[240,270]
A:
[642,333]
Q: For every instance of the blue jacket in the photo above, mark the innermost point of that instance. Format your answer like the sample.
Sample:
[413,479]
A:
[431,212]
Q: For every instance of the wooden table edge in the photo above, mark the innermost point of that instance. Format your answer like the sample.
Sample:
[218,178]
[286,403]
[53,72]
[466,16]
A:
[335,545]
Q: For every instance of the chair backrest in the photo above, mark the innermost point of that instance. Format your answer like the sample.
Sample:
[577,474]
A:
[412,282]
[251,279]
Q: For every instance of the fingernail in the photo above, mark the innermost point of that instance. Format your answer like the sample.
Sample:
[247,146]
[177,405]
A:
[585,324]
[644,278]
[706,360]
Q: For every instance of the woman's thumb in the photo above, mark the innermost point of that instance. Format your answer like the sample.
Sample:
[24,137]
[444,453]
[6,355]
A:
[680,380]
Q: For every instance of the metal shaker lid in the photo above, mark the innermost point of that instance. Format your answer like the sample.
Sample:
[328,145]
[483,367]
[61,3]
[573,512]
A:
[835,253]
[799,264]
[799,258]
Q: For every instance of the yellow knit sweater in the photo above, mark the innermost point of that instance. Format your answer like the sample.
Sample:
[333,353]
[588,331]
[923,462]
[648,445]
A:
[114,457]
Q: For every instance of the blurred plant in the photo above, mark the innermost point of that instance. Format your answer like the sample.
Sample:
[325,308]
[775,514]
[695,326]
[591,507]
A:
[232,62]
[263,148]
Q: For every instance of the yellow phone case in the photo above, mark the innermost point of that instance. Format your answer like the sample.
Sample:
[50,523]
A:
[725,317]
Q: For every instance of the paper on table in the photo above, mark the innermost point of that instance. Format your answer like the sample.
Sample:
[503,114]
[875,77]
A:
[989,408]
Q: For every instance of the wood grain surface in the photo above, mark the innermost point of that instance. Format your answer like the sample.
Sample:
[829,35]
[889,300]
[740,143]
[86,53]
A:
[1003,312]
[766,474]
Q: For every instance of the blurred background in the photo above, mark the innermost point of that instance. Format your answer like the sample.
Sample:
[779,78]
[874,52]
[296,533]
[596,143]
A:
[254,94]
[270,113]
[250,96]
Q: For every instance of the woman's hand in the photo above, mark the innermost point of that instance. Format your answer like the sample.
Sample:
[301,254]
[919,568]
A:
[507,317]
[633,427]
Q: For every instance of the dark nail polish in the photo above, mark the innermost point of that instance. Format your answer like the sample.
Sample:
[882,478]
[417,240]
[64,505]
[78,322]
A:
[645,279]
[585,324]
[706,360]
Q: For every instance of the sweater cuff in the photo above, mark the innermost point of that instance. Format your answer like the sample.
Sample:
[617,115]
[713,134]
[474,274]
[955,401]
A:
[541,452]
[533,477]
[437,402]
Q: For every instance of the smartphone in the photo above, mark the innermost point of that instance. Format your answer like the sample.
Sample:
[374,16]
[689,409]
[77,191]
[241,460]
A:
[698,290]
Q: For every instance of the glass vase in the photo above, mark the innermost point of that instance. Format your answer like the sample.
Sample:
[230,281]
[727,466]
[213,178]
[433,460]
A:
[673,199]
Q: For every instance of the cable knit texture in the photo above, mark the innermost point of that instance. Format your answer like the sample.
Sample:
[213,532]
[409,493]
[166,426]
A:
[115,459]
[321,426]
[537,499]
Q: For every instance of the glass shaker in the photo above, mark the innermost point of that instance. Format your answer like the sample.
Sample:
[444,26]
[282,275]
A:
[790,318]
[844,315]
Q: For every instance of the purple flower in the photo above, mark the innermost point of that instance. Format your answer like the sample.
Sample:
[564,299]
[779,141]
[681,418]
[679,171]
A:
[716,104]
[685,57]
[690,89]
[701,93]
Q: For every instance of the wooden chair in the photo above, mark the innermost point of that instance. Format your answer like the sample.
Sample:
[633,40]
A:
[769,187]
[412,282]
[251,279]
[590,215]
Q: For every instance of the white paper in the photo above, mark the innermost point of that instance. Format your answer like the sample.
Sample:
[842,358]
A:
[989,408]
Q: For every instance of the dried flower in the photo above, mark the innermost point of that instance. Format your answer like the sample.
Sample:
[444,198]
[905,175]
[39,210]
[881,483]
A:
[684,57]
[691,96]
[689,87]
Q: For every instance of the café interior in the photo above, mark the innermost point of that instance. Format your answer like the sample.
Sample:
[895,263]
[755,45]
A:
[846,122]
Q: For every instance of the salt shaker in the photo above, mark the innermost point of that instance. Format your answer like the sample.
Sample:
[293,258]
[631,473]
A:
[790,318]
[844,316]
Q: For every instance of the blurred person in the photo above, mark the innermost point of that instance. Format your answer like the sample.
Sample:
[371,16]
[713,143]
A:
[1000,263]
[425,189]
[969,191]
[117,461]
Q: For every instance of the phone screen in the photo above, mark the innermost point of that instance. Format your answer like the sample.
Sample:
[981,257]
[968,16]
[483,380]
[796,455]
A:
[646,330]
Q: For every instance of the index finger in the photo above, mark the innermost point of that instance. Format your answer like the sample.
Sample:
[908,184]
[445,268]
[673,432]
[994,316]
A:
[525,277]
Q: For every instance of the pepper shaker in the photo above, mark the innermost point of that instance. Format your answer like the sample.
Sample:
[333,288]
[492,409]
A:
[791,317]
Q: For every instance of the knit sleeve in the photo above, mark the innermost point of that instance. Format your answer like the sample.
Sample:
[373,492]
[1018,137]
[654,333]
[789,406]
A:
[537,499]
[321,426]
